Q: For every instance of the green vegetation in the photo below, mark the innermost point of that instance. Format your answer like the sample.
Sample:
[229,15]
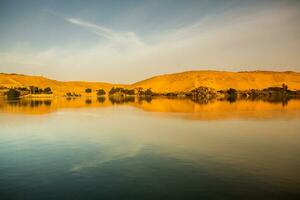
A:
[47,90]
[148,92]
[88,90]
[130,92]
[121,91]
[231,94]
[114,90]
[37,90]
[13,94]
[201,94]
[142,92]
[101,92]
[69,94]
[34,90]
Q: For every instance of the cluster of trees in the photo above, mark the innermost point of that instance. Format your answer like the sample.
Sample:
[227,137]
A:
[143,92]
[284,88]
[69,94]
[232,94]
[15,93]
[119,90]
[88,90]
[37,90]
[100,92]
[124,91]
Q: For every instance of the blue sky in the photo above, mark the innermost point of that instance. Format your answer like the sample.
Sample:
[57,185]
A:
[125,41]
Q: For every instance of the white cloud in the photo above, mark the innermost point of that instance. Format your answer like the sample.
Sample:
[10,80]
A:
[264,38]
[129,38]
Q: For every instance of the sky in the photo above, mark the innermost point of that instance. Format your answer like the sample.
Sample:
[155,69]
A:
[124,41]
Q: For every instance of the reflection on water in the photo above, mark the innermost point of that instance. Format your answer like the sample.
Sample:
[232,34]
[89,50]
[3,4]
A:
[155,148]
[183,107]
[121,100]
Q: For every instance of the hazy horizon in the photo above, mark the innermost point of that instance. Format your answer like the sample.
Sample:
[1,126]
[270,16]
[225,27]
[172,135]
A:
[128,41]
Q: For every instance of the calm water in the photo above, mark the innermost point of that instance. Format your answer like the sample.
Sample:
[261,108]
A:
[149,149]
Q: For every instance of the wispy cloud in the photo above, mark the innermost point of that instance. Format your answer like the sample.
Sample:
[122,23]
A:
[112,35]
[259,38]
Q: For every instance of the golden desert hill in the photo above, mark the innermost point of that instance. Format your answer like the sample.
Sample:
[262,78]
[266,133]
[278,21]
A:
[177,82]
[220,80]
[58,87]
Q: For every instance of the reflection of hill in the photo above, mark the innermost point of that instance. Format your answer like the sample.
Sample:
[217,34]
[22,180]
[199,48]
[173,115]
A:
[184,108]
[44,106]
[224,109]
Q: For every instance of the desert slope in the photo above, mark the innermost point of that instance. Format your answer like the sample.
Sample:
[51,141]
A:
[186,81]
[58,87]
[177,82]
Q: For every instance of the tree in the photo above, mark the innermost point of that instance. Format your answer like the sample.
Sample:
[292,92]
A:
[232,95]
[101,92]
[130,92]
[284,87]
[112,91]
[48,90]
[13,94]
[88,90]
[115,90]
[139,90]
[231,91]
[34,90]
[148,92]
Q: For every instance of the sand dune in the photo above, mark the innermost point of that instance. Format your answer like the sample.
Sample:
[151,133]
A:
[218,80]
[177,82]
[58,87]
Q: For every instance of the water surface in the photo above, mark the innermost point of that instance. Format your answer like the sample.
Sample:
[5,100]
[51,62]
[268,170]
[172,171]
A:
[149,149]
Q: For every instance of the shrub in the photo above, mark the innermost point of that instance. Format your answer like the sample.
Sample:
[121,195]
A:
[101,92]
[115,90]
[88,90]
[148,92]
[13,94]
[285,87]
[232,95]
[34,90]
[48,90]
[129,92]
